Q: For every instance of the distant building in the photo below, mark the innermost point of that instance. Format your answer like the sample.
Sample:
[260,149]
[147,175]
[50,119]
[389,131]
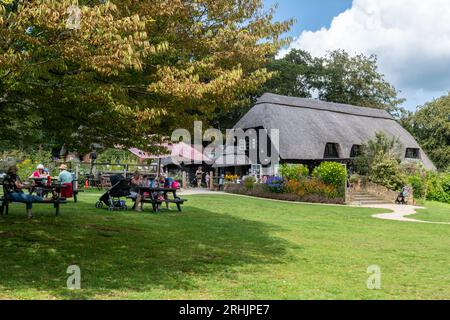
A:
[312,131]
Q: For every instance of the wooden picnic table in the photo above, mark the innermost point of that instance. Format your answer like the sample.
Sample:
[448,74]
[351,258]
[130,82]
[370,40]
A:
[54,186]
[39,183]
[4,201]
[149,195]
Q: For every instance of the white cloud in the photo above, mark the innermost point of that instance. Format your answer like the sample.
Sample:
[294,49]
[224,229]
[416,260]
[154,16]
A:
[410,37]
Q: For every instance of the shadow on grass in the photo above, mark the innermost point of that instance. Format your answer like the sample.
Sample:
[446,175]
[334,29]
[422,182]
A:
[129,252]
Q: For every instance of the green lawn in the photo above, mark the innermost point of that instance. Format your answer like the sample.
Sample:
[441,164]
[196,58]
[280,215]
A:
[221,247]
[435,211]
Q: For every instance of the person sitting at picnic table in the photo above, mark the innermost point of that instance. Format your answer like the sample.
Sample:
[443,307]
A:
[65,178]
[160,182]
[14,191]
[168,182]
[64,175]
[136,181]
[39,173]
[38,178]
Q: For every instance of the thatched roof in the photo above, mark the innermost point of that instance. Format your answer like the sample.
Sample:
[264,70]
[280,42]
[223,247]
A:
[307,125]
[231,156]
[176,153]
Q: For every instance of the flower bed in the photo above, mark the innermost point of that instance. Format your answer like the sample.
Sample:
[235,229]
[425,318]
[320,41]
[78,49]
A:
[261,191]
[326,185]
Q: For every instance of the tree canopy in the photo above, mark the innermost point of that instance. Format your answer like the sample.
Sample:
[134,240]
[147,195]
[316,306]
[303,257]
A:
[132,70]
[336,77]
[430,125]
[381,146]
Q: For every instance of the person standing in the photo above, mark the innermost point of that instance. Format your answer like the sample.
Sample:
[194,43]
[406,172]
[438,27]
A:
[221,182]
[207,178]
[199,177]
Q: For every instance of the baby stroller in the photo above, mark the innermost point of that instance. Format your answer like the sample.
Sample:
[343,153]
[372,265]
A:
[111,198]
[403,196]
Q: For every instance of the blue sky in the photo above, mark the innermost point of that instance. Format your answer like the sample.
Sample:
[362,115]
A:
[413,54]
[310,14]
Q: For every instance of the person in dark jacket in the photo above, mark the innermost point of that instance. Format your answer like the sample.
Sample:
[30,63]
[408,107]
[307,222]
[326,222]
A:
[14,191]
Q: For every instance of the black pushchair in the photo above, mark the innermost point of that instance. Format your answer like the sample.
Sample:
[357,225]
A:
[403,196]
[112,198]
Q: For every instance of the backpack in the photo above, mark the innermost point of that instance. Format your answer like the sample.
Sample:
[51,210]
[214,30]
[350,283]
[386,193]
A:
[175,184]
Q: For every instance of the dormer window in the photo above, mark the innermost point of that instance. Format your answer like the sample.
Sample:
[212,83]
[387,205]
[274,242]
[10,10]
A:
[356,151]
[412,153]
[331,151]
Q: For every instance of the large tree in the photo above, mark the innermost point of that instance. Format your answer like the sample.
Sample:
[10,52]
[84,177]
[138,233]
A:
[297,74]
[336,77]
[356,80]
[132,70]
[430,125]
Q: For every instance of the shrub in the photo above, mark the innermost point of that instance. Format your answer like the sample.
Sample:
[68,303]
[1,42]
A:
[26,168]
[331,173]
[380,144]
[262,191]
[231,177]
[354,178]
[27,162]
[419,185]
[445,181]
[294,171]
[116,155]
[317,187]
[412,168]
[249,182]
[311,187]
[436,191]
[275,184]
[387,172]
[293,186]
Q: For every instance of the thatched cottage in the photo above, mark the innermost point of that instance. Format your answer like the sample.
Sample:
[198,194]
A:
[312,131]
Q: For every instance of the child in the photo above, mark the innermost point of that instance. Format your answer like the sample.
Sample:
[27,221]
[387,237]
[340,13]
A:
[221,182]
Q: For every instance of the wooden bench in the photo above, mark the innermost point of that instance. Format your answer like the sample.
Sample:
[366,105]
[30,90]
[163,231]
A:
[4,203]
[156,203]
[4,207]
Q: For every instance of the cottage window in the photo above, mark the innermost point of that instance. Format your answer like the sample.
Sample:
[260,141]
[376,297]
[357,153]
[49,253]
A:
[331,151]
[242,145]
[412,153]
[356,151]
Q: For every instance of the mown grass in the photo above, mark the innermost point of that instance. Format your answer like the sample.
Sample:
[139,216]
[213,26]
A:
[220,247]
[435,211]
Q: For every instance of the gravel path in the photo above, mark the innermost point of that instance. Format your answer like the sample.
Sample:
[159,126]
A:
[400,213]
